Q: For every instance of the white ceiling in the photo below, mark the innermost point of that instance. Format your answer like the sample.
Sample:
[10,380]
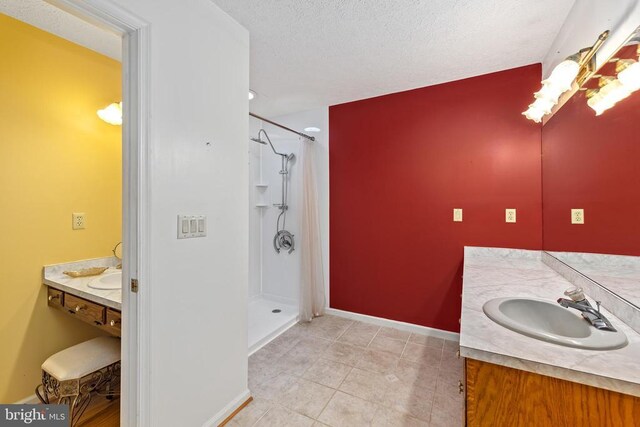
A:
[311,53]
[49,18]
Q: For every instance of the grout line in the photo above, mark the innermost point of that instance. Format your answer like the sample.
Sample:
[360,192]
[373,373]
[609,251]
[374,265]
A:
[325,406]
[405,346]
[374,336]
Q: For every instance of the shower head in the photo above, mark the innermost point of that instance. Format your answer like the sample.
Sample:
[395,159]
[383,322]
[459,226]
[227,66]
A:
[291,156]
[259,141]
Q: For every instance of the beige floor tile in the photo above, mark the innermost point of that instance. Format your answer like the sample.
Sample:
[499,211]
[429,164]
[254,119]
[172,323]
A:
[387,417]
[446,418]
[410,399]
[251,413]
[451,346]
[394,333]
[451,363]
[296,363]
[306,398]
[417,374]
[344,410]
[283,417]
[343,353]
[378,361]
[311,345]
[388,345]
[447,395]
[426,340]
[359,334]
[422,354]
[272,388]
[366,385]
[327,372]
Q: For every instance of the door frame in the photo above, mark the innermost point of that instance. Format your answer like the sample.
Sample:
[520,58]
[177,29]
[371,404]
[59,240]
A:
[135,381]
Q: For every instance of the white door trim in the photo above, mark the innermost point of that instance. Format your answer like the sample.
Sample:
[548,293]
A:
[135,407]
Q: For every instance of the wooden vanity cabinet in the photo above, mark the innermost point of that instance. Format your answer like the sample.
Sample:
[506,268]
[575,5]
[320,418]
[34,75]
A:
[500,396]
[98,315]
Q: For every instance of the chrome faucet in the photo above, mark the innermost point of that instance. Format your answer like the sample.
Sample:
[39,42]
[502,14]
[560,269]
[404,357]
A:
[580,303]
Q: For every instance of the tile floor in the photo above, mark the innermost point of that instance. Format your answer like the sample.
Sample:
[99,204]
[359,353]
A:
[338,372]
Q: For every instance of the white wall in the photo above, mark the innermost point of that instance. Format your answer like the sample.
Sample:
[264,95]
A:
[586,20]
[197,289]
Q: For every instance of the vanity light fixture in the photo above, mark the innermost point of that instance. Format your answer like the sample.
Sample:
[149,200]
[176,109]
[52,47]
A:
[574,68]
[112,114]
[252,94]
[613,90]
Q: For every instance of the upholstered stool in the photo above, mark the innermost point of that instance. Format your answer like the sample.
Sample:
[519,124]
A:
[73,375]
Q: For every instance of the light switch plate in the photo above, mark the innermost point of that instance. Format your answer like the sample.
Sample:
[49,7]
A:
[510,215]
[190,226]
[457,215]
[577,216]
[79,221]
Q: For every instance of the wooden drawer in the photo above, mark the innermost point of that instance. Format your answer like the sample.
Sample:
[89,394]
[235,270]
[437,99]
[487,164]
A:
[86,310]
[55,298]
[114,321]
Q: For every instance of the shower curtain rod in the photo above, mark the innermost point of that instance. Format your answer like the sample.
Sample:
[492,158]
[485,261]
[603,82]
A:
[304,135]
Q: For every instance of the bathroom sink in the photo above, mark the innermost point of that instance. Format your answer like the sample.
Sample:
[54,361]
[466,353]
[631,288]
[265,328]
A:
[548,321]
[107,281]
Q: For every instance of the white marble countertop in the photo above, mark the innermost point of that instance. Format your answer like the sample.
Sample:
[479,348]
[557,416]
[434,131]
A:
[492,273]
[53,276]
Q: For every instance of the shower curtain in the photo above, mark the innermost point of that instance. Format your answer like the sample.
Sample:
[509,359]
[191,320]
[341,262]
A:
[312,295]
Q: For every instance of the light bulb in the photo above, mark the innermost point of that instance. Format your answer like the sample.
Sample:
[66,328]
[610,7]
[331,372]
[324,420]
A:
[534,114]
[630,77]
[112,114]
[564,74]
[543,104]
[549,91]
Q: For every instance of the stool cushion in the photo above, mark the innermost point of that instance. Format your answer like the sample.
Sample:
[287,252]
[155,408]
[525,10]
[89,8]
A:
[82,359]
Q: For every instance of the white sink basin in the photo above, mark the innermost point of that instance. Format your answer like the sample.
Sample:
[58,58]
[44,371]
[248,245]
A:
[107,281]
[548,321]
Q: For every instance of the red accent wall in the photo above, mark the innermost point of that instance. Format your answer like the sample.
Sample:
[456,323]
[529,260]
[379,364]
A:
[593,163]
[400,163]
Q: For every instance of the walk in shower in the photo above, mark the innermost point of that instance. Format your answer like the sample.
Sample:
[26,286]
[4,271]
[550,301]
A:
[283,265]
[274,268]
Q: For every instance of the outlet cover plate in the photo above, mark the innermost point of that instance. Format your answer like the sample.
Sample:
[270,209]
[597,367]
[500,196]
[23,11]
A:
[457,215]
[79,221]
[577,216]
[510,215]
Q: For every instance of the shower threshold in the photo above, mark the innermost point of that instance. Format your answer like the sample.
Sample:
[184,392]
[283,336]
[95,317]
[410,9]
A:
[266,322]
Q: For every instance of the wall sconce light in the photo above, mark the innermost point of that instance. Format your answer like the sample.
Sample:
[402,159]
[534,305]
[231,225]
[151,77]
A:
[574,68]
[112,114]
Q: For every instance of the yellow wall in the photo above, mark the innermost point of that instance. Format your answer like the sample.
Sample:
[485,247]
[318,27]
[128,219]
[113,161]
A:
[56,157]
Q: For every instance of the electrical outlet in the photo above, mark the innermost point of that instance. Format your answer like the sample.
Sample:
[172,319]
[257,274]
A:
[510,215]
[79,221]
[457,215]
[577,216]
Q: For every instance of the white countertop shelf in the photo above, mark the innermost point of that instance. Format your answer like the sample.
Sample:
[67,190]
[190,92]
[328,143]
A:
[53,276]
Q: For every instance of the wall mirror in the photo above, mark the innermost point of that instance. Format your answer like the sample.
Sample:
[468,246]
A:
[591,177]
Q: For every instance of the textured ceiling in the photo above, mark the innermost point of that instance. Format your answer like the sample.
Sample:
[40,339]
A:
[49,18]
[311,53]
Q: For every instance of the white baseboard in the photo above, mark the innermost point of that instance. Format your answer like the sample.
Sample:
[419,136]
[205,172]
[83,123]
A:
[403,326]
[228,410]
[33,399]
